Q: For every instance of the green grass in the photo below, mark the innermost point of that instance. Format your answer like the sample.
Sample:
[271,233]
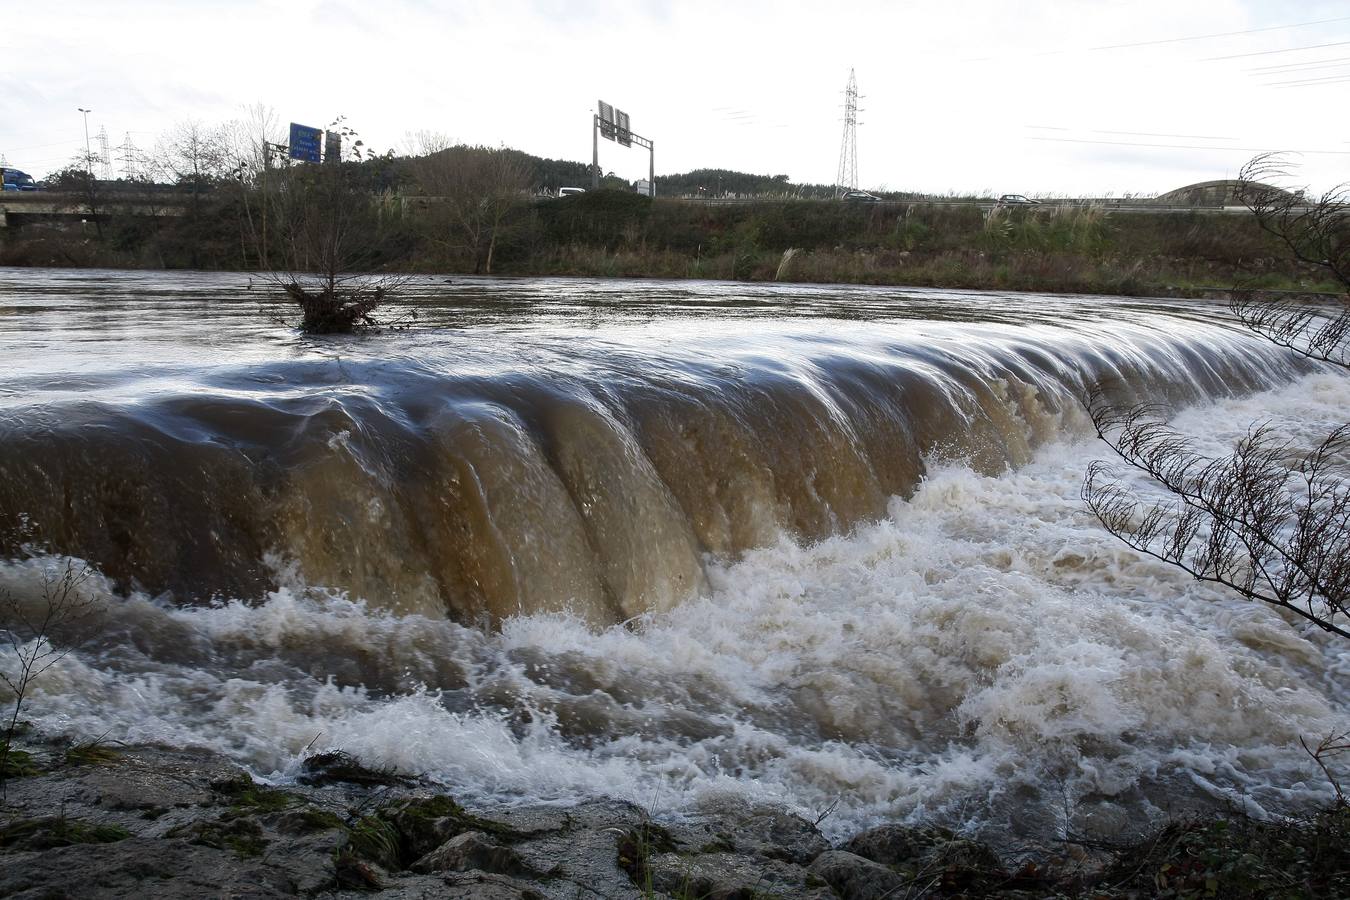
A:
[47,832]
[17,763]
[90,753]
[247,797]
[241,836]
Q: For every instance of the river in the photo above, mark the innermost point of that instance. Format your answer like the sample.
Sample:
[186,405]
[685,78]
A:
[665,541]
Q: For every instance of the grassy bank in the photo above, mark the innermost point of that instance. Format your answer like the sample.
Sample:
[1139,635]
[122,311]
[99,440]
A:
[616,234]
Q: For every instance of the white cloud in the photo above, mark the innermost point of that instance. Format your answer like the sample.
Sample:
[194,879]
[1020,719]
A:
[951,88]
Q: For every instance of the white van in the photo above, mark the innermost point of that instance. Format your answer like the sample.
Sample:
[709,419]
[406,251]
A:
[568,192]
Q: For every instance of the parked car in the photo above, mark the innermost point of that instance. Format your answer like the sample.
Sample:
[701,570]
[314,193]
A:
[570,191]
[14,180]
[1017,200]
[860,197]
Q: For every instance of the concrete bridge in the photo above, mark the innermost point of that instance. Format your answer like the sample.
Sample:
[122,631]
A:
[20,207]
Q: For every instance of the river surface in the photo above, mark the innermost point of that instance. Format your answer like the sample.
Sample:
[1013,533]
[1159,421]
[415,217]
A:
[667,541]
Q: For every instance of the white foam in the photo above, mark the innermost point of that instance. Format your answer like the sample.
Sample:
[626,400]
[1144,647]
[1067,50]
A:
[986,655]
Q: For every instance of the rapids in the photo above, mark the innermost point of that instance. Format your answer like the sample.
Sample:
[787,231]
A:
[663,541]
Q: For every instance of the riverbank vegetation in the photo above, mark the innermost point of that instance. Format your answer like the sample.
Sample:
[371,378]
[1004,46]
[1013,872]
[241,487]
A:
[458,209]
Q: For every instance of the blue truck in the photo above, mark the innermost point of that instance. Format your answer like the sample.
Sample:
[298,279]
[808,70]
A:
[15,180]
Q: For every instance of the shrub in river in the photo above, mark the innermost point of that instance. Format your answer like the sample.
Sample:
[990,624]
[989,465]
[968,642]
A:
[327,228]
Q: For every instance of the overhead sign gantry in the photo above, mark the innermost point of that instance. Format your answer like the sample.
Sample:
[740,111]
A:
[613,125]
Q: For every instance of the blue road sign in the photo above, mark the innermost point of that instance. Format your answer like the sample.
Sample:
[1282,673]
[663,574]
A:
[306,143]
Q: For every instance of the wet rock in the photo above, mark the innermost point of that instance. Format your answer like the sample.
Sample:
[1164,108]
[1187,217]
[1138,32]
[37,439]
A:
[955,862]
[475,850]
[483,886]
[728,876]
[962,853]
[854,878]
[758,830]
[142,790]
[529,821]
[425,823]
[893,845]
[586,850]
[136,868]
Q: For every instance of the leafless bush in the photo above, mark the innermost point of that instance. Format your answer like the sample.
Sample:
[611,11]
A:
[32,635]
[1327,749]
[1269,521]
[1309,329]
[1315,229]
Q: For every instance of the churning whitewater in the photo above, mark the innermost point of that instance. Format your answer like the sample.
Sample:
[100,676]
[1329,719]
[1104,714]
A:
[666,543]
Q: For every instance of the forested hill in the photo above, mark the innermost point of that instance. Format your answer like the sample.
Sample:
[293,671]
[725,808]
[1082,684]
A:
[552,174]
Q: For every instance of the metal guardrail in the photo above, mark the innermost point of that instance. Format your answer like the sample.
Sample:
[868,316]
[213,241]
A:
[1109,205]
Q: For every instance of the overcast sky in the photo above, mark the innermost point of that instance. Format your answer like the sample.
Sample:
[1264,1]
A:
[1081,97]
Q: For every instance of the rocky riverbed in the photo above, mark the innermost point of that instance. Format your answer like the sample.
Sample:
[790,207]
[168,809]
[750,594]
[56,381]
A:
[98,821]
[101,821]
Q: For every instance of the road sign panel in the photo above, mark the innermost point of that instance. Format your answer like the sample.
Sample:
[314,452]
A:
[606,121]
[306,143]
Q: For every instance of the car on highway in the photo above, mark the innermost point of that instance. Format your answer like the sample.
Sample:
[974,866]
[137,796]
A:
[1017,200]
[14,180]
[860,197]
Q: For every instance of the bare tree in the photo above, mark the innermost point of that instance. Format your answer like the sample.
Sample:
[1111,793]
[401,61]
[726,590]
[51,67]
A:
[1271,520]
[470,193]
[250,143]
[192,156]
[78,180]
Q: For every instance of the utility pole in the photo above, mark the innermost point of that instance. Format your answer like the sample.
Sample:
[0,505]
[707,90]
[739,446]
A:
[104,154]
[130,158]
[848,150]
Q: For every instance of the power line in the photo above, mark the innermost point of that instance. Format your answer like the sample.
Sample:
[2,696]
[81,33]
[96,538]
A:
[1315,83]
[1205,37]
[41,146]
[1198,137]
[1312,63]
[1269,52]
[1300,71]
[1187,146]
[1179,40]
[1306,80]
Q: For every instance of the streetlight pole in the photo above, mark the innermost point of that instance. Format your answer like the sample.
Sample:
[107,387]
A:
[91,189]
[88,155]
